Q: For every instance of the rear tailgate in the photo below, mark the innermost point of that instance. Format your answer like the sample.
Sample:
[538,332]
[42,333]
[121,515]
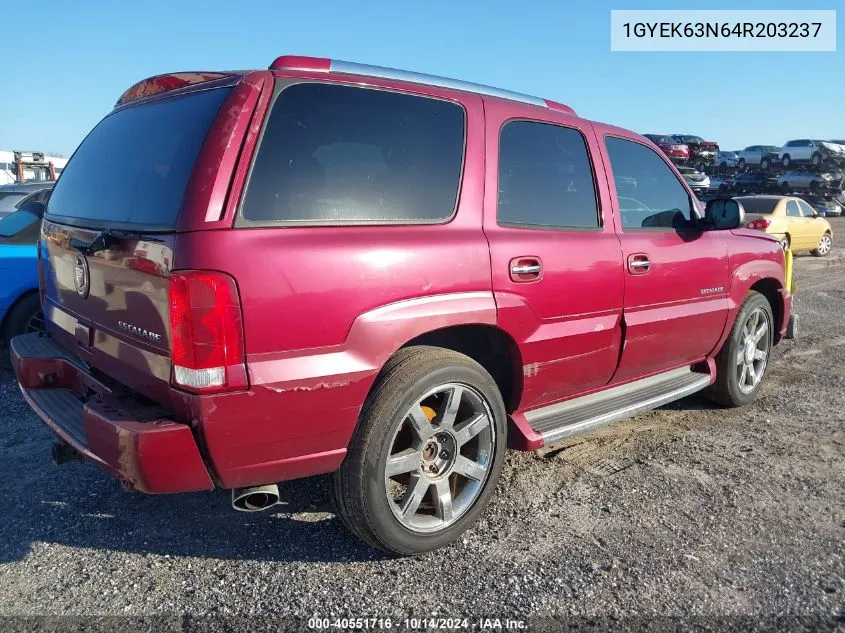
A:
[109,234]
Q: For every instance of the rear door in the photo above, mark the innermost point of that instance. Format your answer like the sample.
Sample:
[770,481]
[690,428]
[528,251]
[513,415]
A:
[676,277]
[556,260]
[109,235]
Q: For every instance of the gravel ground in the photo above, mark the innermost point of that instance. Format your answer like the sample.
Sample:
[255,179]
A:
[688,511]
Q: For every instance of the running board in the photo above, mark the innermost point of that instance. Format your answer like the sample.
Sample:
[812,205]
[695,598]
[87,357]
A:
[567,419]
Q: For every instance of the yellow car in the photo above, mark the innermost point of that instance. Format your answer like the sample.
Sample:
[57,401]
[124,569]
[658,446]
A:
[794,222]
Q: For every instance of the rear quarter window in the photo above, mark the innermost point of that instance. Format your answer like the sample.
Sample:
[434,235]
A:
[334,154]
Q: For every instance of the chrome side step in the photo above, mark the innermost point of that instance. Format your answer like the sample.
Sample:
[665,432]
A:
[567,419]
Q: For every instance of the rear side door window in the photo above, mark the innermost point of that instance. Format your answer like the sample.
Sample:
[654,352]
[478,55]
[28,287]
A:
[792,209]
[649,194]
[545,178]
[335,154]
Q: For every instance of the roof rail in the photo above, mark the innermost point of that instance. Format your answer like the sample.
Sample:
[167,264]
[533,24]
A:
[322,64]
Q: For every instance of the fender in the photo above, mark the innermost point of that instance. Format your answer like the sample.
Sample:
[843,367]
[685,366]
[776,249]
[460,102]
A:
[743,278]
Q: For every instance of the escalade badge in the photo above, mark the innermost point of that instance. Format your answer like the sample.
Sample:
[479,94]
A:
[81,276]
[137,331]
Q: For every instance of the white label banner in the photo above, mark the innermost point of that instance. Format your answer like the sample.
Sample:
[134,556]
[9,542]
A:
[722,30]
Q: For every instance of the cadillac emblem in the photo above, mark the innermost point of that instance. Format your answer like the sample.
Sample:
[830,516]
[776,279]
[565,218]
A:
[81,277]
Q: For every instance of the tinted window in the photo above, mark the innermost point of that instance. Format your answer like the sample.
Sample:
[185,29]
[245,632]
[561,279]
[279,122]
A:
[758,205]
[341,154]
[649,193]
[545,177]
[134,166]
[792,209]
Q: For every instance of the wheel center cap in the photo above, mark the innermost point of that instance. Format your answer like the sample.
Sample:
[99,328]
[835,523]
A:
[750,348]
[430,451]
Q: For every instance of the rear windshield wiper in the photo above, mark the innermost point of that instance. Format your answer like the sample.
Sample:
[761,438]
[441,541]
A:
[105,239]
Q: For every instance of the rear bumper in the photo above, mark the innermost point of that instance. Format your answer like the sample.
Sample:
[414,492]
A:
[153,454]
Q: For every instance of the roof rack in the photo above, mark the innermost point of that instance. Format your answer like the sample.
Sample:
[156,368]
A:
[322,64]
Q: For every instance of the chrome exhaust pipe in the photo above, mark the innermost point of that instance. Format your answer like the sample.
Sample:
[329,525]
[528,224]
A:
[256,498]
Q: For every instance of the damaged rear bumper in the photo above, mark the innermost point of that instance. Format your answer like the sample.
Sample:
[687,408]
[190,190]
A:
[148,454]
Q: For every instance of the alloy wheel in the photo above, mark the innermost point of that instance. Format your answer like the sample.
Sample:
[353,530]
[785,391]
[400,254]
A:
[440,458]
[753,352]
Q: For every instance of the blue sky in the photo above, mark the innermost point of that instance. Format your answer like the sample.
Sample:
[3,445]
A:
[66,63]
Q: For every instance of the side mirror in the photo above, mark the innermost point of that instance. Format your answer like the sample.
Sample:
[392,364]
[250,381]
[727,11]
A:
[724,213]
[35,208]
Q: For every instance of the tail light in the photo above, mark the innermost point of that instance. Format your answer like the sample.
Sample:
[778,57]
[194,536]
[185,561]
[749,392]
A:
[762,224]
[206,332]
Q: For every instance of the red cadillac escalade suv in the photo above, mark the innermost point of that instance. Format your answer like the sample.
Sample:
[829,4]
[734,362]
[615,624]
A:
[326,267]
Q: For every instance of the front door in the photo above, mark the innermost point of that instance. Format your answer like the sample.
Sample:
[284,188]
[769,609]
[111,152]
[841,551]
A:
[556,260]
[676,276]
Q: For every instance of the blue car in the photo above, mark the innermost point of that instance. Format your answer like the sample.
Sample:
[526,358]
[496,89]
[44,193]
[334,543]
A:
[20,305]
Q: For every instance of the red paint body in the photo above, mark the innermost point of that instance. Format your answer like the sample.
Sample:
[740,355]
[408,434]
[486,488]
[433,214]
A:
[324,308]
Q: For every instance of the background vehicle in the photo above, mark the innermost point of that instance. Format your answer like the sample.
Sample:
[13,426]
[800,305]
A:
[720,184]
[17,166]
[810,151]
[727,160]
[762,156]
[697,181]
[14,194]
[419,237]
[702,153]
[755,182]
[803,180]
[20,307]
[791,220]
[677,152]
[826,208]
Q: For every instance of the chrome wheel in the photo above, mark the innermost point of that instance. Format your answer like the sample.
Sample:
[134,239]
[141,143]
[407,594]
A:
[824,245]
[440,458]
[753,351]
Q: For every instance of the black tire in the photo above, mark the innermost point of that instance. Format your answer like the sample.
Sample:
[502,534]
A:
[785,188]
[764,164]
[821,250]
[24,317]
[814,186]
[816,159]
[741,163]
[785,160]
[725,391]
[358,489]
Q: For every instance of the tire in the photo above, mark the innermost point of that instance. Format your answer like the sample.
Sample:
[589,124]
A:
[785,160]
[764,164]
[361,488]
[25,317]
[785,188]
[825,244]
[785,243]
[741,163]
[733,388]
[816,159]
[814,186]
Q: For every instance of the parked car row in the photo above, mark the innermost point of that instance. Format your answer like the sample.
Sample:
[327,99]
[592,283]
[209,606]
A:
[686,148]
[693,150]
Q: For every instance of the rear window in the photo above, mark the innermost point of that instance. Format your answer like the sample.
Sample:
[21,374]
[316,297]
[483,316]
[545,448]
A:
[758,205]
[8,200]
[134,166]
[333,154]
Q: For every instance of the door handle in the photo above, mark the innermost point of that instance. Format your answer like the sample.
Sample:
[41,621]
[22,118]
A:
[525,268]
[639,264]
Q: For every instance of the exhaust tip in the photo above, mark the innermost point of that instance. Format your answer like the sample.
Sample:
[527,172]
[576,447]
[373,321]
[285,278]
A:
[256,498]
